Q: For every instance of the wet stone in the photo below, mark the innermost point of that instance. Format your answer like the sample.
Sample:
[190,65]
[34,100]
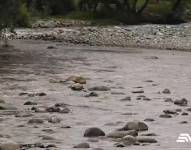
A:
[36,94]
[6,106]
[184,114]
[140,97]
[168,100]
[148,134]
[35,121]
[128,140]
[173,112]
[183,122]
[2,101]
[51,146]
[151,57]
[77,79]
[93,132]
[128,98]
[51,47]
[146,99]
[99,88]
[137,92]
[39,109]
[54,119]
[121,134]
[30,103]
[119,145]
[48,130]
[77,87]
[165,116]
[182,102]
[48,138]
[149,120]
[149,81]
[178,110]
[166,91]
[117,93]
[146,140]
[93,140]
[92,94]
[23,114]
[82,145]
[53,109]
[135,125]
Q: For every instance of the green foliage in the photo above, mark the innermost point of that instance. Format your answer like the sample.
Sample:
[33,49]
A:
[18,12]
[50,7]
[13,13]
[23,18]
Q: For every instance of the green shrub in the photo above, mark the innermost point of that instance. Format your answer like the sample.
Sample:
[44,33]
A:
[23,18]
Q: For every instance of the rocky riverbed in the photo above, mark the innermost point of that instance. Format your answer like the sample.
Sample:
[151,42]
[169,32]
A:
[60,97]
[172,37]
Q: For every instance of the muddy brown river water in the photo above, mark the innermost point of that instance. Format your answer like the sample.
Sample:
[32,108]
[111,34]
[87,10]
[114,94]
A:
[32,68]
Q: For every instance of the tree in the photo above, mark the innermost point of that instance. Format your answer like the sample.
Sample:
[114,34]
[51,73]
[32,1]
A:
[12,13]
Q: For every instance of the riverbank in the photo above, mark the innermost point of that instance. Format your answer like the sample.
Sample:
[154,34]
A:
[171,37]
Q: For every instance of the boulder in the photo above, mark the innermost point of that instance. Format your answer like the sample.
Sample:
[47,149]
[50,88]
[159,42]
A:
[82,145]
[182,102]
[135,125]
[93,132]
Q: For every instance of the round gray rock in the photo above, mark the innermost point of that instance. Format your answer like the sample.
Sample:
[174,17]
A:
[82,145]
[135,125]
[93,132]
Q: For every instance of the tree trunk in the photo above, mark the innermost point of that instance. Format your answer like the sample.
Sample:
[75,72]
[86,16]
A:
[176,5]
[143,7]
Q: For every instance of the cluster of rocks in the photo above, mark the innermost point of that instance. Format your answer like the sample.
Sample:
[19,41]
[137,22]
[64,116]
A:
[133,133]
[146,36]
[125,136]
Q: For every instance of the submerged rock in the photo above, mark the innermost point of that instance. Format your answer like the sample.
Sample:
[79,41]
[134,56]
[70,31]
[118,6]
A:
[182,102]
[5,106]
[30,103]
[137,92]
[128,140]
[121,134]
[54,119]
[2,101]
[58,109]
[146,140]
[77,87]
[166,91]
[35,121]
[99,88]
[92,94]
[82,145]
[165,116]
[77,79]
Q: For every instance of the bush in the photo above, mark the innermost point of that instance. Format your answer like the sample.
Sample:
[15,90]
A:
[23,18]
